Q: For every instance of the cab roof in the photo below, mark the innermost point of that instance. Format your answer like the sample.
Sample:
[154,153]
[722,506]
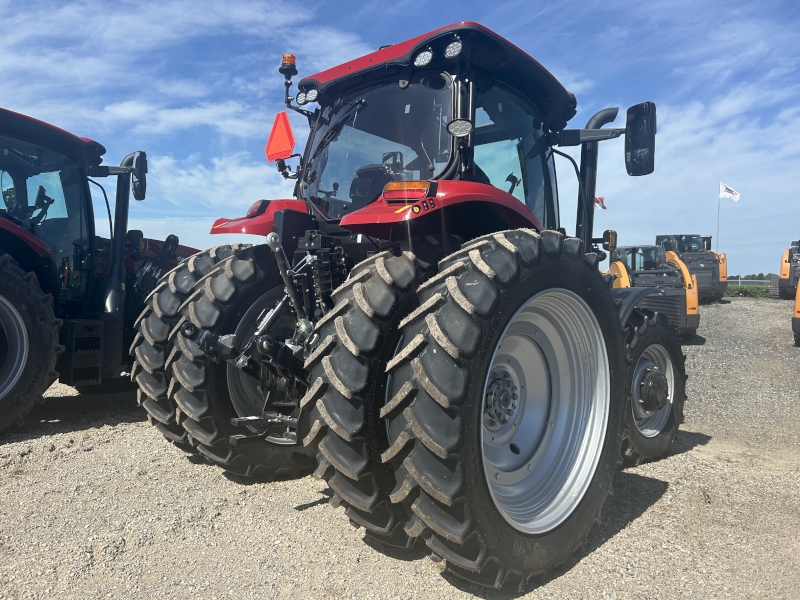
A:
[482,49]
[47,135]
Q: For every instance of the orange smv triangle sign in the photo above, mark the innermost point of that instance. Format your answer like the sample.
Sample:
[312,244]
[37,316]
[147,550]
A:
[281,138]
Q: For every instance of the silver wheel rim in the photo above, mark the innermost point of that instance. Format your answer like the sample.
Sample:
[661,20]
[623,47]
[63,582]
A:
[540,460]
[651,423]
[12,328]
[243,388]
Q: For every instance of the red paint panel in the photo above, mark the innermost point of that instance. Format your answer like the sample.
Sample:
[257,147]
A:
[380,217]
[35,243]
[399,52]
[281,138]
[261,224]
[388,54]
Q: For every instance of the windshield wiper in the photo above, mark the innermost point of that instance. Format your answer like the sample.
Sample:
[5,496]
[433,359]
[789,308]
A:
[335,129]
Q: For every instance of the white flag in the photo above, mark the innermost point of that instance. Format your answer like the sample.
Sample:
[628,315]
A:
[728,192]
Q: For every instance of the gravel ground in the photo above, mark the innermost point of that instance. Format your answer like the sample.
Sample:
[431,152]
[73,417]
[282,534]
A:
[94,503]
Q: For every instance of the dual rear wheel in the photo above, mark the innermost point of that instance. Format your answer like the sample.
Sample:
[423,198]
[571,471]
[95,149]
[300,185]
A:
[497,434]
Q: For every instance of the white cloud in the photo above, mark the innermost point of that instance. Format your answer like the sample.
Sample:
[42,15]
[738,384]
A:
[227,185]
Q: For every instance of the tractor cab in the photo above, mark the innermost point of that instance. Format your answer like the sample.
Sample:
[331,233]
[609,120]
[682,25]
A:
[640,258]
[455,129]
[455,105]
[47,228]
[47,208]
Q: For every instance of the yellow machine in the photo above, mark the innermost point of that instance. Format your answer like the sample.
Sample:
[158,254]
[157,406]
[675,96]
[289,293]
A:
[652,266]
[723,267]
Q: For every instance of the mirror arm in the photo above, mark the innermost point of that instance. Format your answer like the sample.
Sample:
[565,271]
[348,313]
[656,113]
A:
[576,137]
[103,171]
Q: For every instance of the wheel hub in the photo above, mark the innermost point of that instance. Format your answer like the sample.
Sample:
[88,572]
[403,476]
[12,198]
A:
[655,390]
[14,341]
[501,400]
[545,408]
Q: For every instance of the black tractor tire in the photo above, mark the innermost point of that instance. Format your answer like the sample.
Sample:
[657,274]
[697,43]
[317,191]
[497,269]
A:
[199,386]
[151,347]
[348,384]
[651,344]
[774,287]
[26,319]
[437,413]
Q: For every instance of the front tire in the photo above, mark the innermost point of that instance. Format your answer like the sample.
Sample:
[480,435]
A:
[657,385]
[202,389]
[517,333]
[151,347]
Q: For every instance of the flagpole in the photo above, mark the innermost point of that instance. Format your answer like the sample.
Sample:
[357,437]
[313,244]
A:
[719,200]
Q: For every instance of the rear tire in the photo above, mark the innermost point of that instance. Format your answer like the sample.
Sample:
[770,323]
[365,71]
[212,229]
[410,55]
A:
[358,336]
[200,387]
[151,347]
[29,345]
[652,351]
[495,520]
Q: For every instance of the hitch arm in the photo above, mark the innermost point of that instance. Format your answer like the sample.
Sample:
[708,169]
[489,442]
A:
[303,323]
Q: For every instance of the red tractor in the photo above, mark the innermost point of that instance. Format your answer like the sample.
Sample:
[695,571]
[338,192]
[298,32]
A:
[68,298]
[418,320]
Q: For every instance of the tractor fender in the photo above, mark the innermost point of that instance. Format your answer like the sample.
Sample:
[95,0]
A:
[31,254]
[630,297]
[477,208]
[260,217]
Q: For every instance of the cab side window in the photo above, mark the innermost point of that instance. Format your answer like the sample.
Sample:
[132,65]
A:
[510,151]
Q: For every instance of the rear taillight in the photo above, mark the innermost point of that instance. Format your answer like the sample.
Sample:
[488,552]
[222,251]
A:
[259,207]
[406,190]
[688,261]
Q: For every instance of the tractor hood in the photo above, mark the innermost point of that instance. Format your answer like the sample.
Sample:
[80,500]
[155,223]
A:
[481,48]
[50,136]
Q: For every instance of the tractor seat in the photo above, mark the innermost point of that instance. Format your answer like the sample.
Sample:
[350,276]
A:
[369,183]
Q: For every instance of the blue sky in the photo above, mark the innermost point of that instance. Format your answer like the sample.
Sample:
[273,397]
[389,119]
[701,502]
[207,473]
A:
[195,84]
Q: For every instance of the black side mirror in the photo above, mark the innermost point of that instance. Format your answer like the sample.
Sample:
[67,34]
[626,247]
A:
[139,181]
[640,139]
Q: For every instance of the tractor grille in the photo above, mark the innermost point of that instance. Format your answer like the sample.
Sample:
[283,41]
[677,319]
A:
[669,306]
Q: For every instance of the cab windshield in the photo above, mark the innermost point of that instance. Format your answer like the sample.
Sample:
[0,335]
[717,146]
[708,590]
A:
[639,258]
[387,133]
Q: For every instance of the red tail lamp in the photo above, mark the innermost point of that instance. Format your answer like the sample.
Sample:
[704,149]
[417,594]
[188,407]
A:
[406,190]
[259,207]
